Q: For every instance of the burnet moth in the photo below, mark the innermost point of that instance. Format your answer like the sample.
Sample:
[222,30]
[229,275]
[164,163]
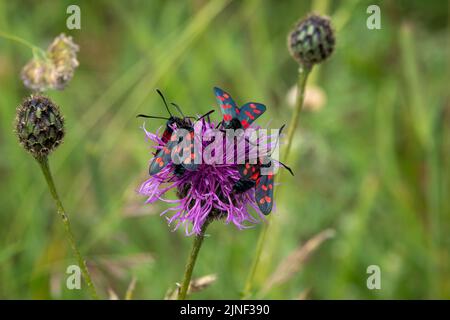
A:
[251,176]
[172,140]
[235,117]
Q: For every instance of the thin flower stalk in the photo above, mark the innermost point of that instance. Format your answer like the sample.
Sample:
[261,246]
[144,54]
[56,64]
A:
[43,162]
[198,241]
[310,42]
[37,52]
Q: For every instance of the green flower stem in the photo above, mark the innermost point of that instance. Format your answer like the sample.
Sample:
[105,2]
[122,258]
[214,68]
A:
[43,162]
[17,39]
[247,292]
[191,261]
[303,73]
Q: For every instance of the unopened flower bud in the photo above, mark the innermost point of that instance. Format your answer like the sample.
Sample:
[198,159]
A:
[312,40]
[39,125]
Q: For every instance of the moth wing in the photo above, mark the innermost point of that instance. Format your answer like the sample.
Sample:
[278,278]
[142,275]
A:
[249,171]
[264,193]
[189,162]
[162,158]
[249,112]
[227,105]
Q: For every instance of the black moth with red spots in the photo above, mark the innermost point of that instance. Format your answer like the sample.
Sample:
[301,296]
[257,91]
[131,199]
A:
[171,140]
[235,117]
[251,176]
[163,156]
[172,121]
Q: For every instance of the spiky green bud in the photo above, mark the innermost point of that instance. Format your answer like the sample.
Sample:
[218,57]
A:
[312,40]
[39,125]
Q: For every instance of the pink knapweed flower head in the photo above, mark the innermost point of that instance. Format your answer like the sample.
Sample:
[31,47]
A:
[202,194]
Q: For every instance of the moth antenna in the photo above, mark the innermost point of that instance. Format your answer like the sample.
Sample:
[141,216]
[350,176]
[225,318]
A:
[150,117]
[206,114]
[286,167]
[179,109]
[278,139]
[164,100]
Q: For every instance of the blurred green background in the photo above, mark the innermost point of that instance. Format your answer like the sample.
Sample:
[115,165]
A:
[370,156]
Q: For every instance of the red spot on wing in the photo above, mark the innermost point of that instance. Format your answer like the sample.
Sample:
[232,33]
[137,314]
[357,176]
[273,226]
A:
[255,176]
[159,161]
[255,108]
[249,115]
[227,117]
[226,96]
[244,124]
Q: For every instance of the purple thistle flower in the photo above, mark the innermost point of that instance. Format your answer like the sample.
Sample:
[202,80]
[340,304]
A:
[206,193]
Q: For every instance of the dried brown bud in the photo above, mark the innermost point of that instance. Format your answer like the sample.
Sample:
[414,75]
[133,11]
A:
[55,69]
[63,54]
[36,74]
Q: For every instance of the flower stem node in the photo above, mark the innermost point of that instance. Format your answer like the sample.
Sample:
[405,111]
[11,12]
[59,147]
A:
[39,126]
[312,40]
